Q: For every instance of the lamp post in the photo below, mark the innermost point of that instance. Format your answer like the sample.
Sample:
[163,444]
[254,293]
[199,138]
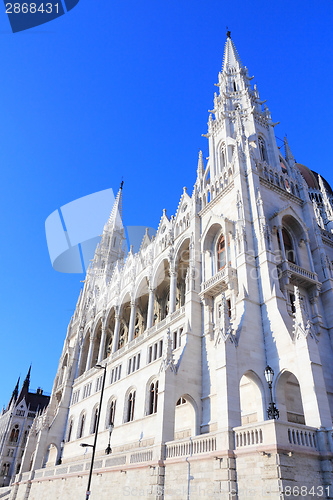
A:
[109,449]
[93,446]
[62,444]
[272,411]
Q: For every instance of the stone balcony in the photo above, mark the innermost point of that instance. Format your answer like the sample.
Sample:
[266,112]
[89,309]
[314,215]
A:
[271,434]
[291,273]
[226,278]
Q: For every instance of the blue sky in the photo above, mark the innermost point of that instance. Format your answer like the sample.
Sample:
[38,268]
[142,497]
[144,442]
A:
[116,89]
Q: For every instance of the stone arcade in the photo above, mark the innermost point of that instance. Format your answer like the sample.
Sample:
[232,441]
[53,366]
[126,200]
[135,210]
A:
[239,278]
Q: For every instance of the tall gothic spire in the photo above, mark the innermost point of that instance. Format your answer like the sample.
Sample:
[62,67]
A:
[26,382]
[14,394]
[231,58]
[115,219]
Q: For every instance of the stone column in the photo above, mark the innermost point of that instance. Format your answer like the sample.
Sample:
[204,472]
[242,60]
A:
[281,243]
[90,352]
[116,333]
[208,315]
[173,283]
[102,344]
[131,321]
[80,344]
[309,255]
[150,311]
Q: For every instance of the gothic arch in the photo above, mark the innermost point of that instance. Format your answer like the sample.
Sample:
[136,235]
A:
[51,455]
[262,147]
[70,426]
[289,398]
[206,179]
[94,419]
[151,394]
[161,284]
[111,411]
[186,417]
[81,424]
[252,398]
[129,405]
[84,353]
[109,336]
[97,334]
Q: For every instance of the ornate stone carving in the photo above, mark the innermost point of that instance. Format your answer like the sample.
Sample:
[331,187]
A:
[303,326]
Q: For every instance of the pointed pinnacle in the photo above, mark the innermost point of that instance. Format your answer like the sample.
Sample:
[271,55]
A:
[287,150]
[230,57]
[200,169]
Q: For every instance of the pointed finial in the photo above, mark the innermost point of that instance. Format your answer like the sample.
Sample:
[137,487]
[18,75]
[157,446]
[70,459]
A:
[228,32]
[121,184]
[287,151]
[200,169]
[26,382]
[14,394]
[231,58]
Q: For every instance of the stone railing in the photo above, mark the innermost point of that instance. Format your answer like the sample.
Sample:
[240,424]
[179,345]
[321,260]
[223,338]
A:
[121,460]
[189,447]
[300,436]
[249,437]
[293,271]
[213,284]
[304,272]
[272,432]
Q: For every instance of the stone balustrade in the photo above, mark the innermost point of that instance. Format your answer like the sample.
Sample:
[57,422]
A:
[100,463]
[298,274]
[272,432]
[226,276]
[192,446]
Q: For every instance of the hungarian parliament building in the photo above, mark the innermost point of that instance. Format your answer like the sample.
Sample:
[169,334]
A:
[203,363]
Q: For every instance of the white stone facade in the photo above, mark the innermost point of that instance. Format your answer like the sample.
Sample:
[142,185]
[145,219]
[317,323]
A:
[239,278]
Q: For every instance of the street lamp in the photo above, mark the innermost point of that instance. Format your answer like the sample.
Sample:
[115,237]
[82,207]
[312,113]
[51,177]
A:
[109,449]
[93,446]
[62,444]
[272,411]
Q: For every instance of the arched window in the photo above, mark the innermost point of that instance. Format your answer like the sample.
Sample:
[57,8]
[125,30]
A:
[94,421]
[153,394]
[262,149]
[5,469]
[222,157]
[112,412]
[14,434]
[130,406]
[81,426]
[70,430]
[221,259]
[288,247]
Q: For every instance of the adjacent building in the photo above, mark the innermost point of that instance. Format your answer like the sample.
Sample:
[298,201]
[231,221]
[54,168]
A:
[15,423]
